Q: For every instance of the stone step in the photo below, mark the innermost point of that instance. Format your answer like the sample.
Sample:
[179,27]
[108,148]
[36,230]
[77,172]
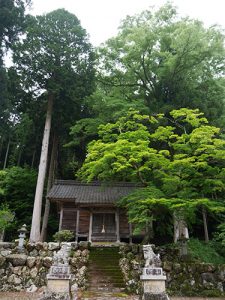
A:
[105,277]
[104,271]
[95,266]
[113,282]
[109,257]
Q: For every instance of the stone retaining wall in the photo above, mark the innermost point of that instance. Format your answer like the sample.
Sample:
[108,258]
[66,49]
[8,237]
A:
[28,270]
[183,279]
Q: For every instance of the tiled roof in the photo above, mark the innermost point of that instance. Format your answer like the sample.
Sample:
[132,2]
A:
[90,193]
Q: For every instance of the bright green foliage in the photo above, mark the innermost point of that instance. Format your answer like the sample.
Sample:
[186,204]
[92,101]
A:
[171,151]
[205,253]
[63,236]
[221,234]
[103,107]
[121,151]
[169,61]
[6,217]
[178,157]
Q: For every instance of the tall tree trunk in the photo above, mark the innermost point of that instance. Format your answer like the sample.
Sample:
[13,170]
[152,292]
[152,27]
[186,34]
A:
[1,146]
[206,233]
[2,234]
[175,228]
[36,218]
[149,232]
[19,156]
[6,155]
[49,185]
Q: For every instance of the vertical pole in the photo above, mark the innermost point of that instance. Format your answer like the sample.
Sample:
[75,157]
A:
[35,232]
[117,217]
[130,233]
[6,155]
[205,225]
[77,224]
[90,226]
[61,217]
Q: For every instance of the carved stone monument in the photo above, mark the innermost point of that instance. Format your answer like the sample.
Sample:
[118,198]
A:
[153,278]
[59,276]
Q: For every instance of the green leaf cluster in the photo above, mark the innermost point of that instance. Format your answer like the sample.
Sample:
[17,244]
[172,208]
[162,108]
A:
[6,217]
[178,157]
[17,187]
[169,61]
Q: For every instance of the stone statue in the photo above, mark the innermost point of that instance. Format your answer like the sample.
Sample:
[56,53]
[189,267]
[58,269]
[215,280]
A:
[153,279]
[151,259]
[61,257]
[59,275]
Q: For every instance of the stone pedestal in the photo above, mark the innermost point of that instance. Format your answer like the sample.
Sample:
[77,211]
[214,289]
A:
[58,279]
[58,286]
[59,276]
[153,283]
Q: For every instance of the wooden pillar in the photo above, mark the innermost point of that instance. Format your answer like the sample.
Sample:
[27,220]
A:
[117,217]
[77,224]
[130,233]
[90,227]
[61,217]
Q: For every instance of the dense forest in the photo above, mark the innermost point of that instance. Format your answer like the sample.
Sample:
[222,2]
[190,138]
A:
[146,106]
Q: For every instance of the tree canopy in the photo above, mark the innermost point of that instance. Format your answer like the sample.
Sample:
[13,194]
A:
[54,59]
[179,155]
[149,103]
[169,61]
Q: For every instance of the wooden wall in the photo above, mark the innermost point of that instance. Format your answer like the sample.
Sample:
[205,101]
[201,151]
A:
[124,226]
[69,219]
[84,222]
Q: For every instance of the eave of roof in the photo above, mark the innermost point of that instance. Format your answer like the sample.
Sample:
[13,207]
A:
[90,193]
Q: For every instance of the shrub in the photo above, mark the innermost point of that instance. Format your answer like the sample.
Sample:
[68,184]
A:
[204,252]
[63,236]
[6,217]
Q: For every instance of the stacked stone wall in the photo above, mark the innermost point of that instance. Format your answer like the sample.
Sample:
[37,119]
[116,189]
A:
[183,278]
[27,270]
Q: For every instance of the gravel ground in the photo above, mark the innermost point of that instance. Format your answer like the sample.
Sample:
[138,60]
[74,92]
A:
[89,296]
[81,296]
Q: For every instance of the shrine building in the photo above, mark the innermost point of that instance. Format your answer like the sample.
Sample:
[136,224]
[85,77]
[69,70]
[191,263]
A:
[90,210]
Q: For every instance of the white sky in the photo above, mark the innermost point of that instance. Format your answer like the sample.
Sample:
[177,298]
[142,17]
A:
[101,18]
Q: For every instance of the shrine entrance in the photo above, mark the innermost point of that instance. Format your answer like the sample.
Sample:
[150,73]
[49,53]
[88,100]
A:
[104,227]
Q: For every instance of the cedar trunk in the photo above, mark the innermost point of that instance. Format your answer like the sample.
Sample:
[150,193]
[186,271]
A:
[51,174]
[6,155]
[36,218]
[206,233]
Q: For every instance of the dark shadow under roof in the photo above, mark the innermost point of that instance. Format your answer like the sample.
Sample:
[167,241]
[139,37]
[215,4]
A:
[90,193]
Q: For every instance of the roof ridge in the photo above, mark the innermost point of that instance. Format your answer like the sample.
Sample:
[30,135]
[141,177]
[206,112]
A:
[97,183]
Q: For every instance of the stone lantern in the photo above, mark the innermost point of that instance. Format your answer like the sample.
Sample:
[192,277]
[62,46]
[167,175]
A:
[22,235]
[183,246]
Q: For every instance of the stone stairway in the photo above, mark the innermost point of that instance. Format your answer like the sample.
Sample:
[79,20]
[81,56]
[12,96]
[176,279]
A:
[104,271]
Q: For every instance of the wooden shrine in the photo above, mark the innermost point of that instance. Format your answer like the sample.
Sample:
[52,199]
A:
[90,211]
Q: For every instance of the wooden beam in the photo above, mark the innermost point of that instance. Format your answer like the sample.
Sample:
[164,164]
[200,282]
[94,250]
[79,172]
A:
[117,219]
[90,227]
[61,218]
[77,224]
